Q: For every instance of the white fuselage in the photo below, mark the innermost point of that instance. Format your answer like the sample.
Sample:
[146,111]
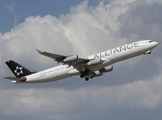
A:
[108,57]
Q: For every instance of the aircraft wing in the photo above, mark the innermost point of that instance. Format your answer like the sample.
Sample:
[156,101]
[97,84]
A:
[58,58]
[70,60]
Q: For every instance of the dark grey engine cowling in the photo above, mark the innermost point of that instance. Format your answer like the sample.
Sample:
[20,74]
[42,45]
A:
[94,62]
[71,58]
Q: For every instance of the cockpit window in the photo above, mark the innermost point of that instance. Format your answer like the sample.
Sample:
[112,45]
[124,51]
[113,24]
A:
[150,41]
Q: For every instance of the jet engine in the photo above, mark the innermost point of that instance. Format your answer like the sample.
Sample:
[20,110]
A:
[94,62]
[103,70]
[97,74]
[106,69]
[71,58]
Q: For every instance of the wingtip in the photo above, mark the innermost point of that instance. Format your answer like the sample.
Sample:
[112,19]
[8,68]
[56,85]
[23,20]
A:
[38,51]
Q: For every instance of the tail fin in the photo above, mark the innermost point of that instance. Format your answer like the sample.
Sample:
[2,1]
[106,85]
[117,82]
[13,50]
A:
[17,69]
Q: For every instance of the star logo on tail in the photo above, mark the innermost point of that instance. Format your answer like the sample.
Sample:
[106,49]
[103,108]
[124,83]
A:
[18,70]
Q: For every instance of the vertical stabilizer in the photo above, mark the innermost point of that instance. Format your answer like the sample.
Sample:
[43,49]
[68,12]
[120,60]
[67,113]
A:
[17,69]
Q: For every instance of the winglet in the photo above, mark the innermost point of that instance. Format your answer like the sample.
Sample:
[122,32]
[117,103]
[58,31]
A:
[40,52]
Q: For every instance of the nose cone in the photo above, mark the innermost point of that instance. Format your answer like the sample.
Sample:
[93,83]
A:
[155,43]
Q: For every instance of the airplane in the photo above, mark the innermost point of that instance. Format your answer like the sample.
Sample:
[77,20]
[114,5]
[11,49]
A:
[72,65]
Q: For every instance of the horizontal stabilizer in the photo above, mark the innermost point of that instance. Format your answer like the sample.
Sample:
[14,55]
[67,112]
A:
[15,78]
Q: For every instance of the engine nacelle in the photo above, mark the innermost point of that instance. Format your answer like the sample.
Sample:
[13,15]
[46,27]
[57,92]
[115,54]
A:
[71,58]
[94,62]
[106,69]
[97,74]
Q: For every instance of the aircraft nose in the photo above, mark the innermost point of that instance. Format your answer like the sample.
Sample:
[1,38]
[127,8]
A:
[156,43]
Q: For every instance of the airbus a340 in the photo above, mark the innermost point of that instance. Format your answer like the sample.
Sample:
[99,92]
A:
[89,67]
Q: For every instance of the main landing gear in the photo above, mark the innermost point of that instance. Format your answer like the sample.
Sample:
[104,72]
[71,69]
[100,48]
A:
[87,74]
[88,78]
